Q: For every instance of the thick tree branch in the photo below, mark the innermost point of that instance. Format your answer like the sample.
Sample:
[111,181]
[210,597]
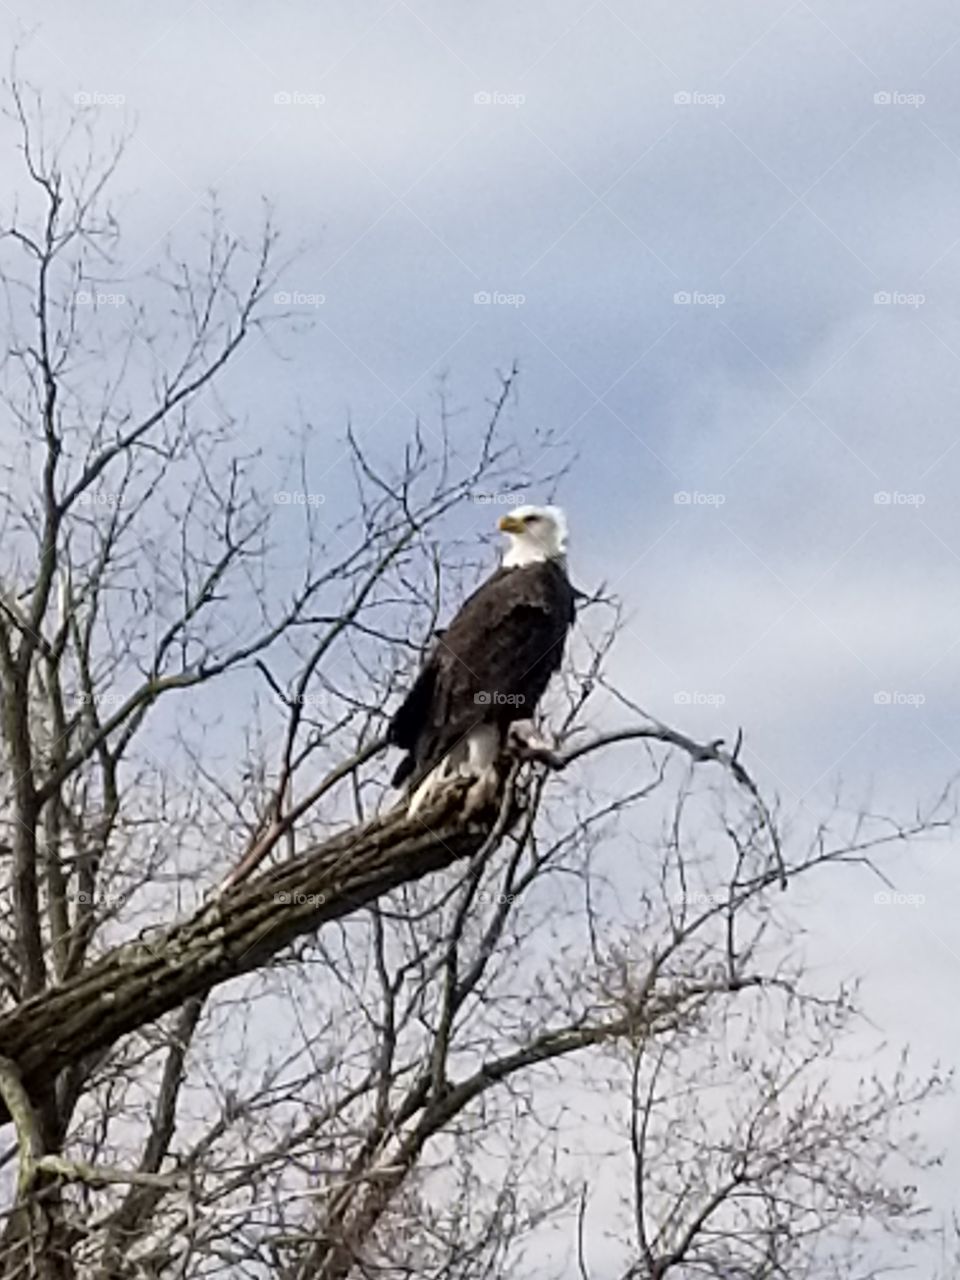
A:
[241,930]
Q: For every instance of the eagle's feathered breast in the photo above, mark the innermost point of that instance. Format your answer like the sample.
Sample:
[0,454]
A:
[490,666]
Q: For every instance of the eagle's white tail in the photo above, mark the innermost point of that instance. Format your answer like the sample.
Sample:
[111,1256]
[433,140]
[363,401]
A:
[474,756]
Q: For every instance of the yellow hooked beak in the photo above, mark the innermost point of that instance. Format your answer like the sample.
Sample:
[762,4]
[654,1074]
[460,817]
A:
[510,524]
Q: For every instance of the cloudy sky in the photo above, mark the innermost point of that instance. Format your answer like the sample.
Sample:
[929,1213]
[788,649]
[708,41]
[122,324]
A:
[723,243]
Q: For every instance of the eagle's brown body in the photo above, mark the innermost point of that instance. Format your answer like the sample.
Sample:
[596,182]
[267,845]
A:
[489,668]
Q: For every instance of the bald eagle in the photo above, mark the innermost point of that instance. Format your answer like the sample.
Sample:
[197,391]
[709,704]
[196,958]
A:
[491,665]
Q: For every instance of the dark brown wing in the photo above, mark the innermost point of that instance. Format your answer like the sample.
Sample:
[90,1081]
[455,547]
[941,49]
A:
[491,665]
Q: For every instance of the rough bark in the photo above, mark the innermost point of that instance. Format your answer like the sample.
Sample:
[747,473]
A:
[138,982]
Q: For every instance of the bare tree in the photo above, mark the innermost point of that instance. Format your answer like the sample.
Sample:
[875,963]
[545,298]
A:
[200,1079]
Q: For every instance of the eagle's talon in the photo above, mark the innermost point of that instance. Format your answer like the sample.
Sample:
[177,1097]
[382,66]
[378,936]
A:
[482,793]
[525,739]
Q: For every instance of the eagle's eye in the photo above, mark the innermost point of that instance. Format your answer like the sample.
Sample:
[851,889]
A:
[530,519]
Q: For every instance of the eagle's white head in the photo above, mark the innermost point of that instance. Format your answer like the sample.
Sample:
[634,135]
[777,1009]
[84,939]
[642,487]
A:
[535,534]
